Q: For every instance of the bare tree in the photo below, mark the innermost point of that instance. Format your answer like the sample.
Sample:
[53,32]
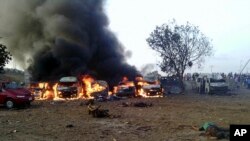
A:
[179,46]
[5,56]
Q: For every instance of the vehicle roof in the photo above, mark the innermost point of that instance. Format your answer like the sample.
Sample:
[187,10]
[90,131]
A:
[102,83]
[151,86]
[68,79]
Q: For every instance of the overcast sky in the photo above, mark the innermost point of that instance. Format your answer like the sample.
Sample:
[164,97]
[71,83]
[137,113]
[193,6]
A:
[226,22]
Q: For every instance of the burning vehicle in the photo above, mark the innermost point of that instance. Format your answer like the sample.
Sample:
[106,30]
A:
[126,89]
[43,90]
[68,87]
[94,88]
[138,88]
[37,89]
[152,90]
[147,88]
[85,87]
[12,95]
[100,89]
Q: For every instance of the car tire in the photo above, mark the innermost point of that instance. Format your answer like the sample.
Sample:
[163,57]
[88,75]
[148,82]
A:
[9,104]
[28,104]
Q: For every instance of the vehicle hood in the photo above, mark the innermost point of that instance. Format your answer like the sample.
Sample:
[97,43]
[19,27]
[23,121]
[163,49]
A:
[218,84]
[151,87]
[19,91]
[61,88]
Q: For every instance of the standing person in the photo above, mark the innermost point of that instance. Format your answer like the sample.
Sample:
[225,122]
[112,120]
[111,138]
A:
[1,87]
[248,82]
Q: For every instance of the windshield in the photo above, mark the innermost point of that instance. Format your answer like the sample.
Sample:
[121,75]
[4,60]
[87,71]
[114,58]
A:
[67,84]
[11,85]
[217,80]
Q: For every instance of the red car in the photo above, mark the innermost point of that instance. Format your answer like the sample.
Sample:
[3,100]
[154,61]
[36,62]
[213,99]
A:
[13,95]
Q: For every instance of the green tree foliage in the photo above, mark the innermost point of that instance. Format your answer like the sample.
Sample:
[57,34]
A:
[179,46]
[5,56]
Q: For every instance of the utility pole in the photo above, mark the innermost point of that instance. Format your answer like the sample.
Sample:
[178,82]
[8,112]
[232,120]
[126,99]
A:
[244,66]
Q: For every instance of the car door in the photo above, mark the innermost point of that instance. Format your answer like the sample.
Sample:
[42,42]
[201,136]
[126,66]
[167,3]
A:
[2,96]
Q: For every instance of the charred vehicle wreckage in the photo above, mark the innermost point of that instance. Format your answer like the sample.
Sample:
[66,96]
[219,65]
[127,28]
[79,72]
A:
[68,87]
[138,88]
[152,90]
[89,88]
[126,89]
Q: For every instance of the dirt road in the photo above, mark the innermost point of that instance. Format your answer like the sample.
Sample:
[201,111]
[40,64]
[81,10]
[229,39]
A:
[169,119]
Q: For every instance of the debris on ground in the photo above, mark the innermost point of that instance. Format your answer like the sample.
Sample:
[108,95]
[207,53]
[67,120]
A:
[136,104]
[90,102]
[125,104]
[69,126]
[142,104]
[101,99]
[113,98]
[144,128]
[81,104]
[12,131]
[95,111]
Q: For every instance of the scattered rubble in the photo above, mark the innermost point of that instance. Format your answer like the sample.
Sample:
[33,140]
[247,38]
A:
[136,104]
[96,112]
[90,102]
[144,128]
[69,126]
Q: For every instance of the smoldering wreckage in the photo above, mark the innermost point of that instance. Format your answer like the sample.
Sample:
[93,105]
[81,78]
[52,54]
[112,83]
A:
[71,54]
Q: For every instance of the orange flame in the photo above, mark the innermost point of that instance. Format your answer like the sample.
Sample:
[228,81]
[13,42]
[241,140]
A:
[141,83]
[91,86]
[55,91]
[87,80]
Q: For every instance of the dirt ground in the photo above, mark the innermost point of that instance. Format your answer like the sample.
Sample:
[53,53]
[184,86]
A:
[169,119]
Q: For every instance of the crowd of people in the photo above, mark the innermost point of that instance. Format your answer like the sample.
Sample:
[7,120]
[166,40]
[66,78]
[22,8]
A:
[238,79]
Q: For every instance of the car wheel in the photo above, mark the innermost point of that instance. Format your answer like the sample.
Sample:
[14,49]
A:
[9,104]
[28,104]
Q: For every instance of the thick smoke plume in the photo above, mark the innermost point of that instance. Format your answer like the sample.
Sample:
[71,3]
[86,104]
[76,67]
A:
[55,38]
[147,68]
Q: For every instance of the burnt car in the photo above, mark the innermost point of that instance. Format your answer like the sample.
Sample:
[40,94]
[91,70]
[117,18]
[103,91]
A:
[124,90]
[69,87]
[152,90]
[100,89]
[13,95]
[37,89]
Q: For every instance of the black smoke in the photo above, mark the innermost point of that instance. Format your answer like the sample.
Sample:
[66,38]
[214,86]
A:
[55,38]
